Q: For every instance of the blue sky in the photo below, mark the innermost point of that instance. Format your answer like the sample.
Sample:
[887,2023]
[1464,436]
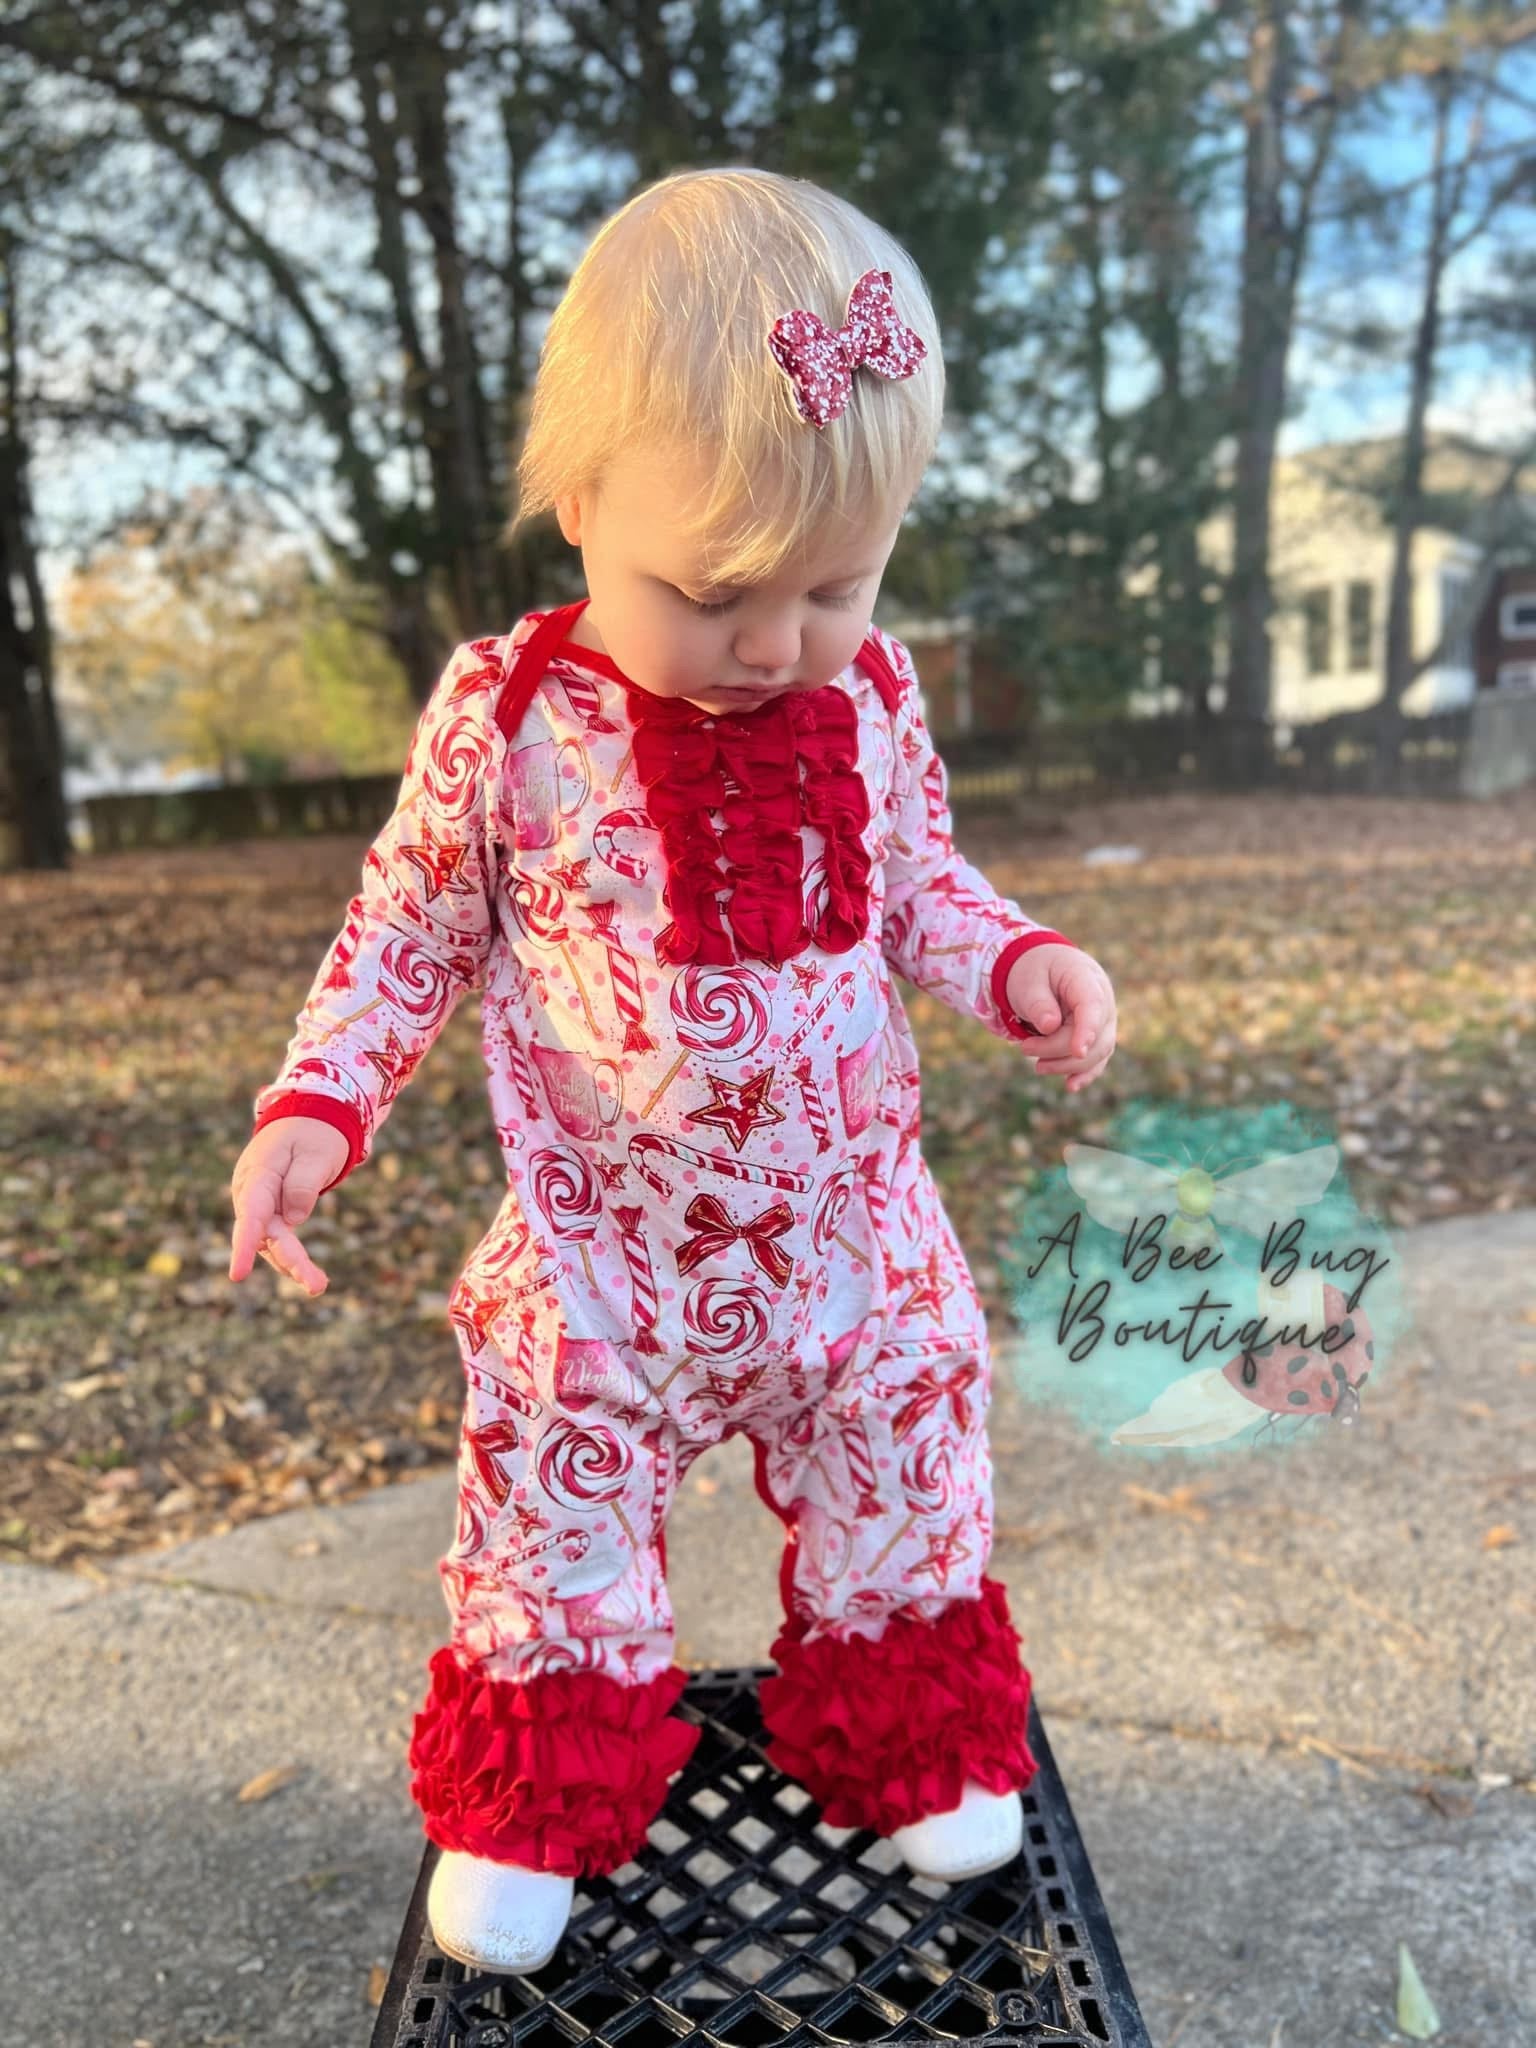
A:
[1488,399]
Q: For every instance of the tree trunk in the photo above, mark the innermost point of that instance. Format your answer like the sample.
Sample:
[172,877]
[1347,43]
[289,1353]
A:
[31,747]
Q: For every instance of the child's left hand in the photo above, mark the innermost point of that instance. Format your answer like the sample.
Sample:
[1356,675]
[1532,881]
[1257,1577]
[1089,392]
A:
[1067,996]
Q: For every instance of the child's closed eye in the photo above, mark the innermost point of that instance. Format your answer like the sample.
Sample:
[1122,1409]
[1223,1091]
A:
[840,603]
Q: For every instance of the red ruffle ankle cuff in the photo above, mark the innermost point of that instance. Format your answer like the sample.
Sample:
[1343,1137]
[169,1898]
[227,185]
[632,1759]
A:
[561,1772]
[886,1732]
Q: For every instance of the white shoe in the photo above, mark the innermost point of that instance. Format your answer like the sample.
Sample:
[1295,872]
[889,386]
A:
[985,1831]
[497,1916]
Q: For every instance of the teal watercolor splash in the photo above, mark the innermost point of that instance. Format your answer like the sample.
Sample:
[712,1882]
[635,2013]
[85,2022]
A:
[1266,1374]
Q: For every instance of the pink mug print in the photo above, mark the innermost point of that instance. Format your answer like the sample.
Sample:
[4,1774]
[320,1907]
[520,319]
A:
[531,792]
[571,1088]
[858,1079]
[589,1369]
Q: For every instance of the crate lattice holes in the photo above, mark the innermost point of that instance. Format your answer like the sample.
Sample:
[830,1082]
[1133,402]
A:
[749,1923]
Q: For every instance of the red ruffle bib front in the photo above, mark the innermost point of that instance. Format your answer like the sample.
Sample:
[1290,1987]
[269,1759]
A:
[788,763]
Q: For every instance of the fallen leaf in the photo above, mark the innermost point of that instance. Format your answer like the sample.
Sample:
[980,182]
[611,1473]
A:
[1182,1500]
[1499,1536]
[1450,1805]
[265,1783]
[378,1982]
[81,1390]
[1416,2015]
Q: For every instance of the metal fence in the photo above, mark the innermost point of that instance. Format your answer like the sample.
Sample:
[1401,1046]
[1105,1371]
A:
[1475,751]
[1152,756]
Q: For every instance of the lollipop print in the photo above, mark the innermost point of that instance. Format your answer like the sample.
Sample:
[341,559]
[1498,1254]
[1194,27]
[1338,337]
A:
[832,1207]
[566,1191]
[928,1485]
[584,1654]
[584,1466]
[721,1012]
[928,1477]
[725,1317]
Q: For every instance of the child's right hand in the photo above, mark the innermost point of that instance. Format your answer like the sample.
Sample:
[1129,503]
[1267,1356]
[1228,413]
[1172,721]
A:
[276,1182]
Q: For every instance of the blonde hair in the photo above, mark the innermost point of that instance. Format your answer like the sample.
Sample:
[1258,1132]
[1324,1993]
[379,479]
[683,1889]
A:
[661,342]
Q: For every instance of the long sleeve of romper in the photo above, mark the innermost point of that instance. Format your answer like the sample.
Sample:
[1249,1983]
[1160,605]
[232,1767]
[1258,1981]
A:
[417,934]
[947,930]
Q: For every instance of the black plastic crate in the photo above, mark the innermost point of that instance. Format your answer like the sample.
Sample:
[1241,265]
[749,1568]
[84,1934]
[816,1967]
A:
[749,1923]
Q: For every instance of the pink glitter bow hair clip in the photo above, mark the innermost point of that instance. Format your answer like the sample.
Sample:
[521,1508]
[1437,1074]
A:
[819,361]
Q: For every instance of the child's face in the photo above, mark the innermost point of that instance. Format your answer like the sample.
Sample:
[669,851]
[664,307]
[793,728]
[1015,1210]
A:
[794,632]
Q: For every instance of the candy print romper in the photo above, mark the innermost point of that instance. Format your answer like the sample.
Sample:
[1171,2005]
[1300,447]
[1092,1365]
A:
[717,1219]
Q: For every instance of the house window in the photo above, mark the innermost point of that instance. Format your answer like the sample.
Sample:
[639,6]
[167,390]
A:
[1455,626]
[1317,611]
[1517,616]
[1359,602]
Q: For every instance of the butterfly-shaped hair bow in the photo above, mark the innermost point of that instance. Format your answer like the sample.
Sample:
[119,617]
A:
[819,361]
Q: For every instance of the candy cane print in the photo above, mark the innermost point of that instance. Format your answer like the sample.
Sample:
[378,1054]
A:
[522,1073]
[579,1540]
[933,797]
[843,986]
[488,1382]
[632,866]
[861,1467]
[539,1284]
[877,1190]
[661,1451]
[624,976]
[641,1148]
[815,1108]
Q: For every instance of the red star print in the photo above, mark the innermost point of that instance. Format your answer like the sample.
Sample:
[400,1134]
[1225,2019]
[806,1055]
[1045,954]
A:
[740,1118]
[612,1170]
[529,1521]
[945,1554]
[441,862]
[930,1289]
[572,874]
[911,746]
[394,1065]
[806,977]
[474,1313]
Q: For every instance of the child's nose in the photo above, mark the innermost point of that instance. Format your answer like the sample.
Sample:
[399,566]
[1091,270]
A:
[768,650]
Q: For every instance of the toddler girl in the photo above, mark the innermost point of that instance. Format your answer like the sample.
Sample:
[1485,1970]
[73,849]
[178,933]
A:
[681,833]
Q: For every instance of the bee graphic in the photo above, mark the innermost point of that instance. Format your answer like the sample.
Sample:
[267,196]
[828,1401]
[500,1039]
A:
[1263,1386]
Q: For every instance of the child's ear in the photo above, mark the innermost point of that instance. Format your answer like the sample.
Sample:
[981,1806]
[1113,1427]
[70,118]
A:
[568,513]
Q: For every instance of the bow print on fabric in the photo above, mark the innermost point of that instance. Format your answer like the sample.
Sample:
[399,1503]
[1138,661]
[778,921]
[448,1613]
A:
[819,361]
[717,1230]
[932,1388]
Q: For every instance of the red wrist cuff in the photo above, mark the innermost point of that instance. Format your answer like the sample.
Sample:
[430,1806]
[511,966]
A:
[1016,1026]
[327,1109]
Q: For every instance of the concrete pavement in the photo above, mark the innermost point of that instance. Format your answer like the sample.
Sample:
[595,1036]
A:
[1295,1708]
